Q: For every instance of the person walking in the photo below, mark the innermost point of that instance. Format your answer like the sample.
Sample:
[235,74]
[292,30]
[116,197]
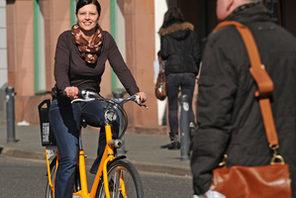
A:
[81,54]
[228,113]
[180,51]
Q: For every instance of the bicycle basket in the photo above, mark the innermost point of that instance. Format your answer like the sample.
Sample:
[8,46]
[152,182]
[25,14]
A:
[47,138]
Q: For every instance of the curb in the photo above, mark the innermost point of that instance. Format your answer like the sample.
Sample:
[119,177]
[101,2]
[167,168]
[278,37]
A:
[161,168]
[146,167]
[11,152]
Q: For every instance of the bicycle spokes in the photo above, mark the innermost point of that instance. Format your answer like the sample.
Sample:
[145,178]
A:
[117,185]
[121,183]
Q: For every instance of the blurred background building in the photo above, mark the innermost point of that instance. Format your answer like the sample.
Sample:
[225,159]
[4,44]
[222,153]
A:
[29,30]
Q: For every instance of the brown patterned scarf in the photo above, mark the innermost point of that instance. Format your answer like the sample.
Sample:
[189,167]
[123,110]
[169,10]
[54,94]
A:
[89,50]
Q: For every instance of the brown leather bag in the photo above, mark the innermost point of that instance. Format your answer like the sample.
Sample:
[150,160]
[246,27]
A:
[256,181]
[161,83]
[161,86]
[253,181]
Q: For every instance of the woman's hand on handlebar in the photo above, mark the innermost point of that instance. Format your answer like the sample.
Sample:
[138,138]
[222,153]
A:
[72,92]
[143,96]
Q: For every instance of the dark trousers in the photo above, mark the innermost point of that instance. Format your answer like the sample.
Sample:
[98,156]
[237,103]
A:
[65,119]
[185,81]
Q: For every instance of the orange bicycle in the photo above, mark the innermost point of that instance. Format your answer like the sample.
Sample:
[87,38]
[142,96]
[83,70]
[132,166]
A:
[116,176]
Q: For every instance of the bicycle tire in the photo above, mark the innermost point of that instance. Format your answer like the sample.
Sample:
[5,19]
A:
[132,180]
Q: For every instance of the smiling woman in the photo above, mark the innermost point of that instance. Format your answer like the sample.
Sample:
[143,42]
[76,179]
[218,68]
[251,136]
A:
[80,58]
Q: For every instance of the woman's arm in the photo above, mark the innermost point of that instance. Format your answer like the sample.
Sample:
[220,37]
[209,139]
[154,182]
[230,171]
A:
[61,65]
[164,48]
[117,63]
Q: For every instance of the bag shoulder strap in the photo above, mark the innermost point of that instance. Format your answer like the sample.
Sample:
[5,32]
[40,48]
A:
[262,79]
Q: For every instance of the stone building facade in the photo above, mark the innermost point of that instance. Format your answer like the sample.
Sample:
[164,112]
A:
[29,30]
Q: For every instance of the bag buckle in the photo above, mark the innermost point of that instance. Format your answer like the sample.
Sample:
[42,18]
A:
[223,163]
[276,158]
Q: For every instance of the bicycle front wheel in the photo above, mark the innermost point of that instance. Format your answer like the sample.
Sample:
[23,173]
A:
[124,181]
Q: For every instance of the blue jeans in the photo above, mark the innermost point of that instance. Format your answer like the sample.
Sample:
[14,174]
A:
[185,81]
[65,119]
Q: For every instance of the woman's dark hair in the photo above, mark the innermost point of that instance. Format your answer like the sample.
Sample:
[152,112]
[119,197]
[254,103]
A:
[172,15]
[81,3]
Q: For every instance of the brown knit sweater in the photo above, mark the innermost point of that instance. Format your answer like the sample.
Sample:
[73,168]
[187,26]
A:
[71,70]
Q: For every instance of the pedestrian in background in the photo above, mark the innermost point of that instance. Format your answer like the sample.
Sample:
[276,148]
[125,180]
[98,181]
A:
[180,51]
[228,113]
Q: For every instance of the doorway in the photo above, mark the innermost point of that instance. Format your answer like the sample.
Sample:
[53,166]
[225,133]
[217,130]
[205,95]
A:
[201,13]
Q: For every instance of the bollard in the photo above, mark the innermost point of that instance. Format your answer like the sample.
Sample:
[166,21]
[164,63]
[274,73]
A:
[10,114]
[184,127]
[118,95]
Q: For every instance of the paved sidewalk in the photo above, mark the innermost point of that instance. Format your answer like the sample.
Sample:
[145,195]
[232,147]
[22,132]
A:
[142,149]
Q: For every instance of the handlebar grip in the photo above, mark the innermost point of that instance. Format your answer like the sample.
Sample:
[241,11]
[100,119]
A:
[81,93]
[138,101]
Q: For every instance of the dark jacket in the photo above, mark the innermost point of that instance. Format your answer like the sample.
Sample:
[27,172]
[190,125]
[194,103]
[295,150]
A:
[228,114]
[71,70]
[179,47]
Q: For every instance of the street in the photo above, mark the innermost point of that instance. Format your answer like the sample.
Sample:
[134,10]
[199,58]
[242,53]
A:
[26,178]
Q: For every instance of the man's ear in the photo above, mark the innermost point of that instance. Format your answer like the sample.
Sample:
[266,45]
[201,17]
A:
[229,4]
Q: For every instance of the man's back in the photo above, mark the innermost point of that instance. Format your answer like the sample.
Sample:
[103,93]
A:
[228,114]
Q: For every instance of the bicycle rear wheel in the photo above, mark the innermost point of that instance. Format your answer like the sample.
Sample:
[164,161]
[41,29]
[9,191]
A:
[124,181]
[48,191]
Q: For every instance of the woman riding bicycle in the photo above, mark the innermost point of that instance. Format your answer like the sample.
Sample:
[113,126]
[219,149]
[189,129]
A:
[80,59]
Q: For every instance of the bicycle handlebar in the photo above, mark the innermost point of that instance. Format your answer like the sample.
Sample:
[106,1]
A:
[86,96]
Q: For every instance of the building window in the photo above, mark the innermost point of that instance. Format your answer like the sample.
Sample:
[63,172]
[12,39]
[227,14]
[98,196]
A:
[117,25]
[39,50]
[72,12]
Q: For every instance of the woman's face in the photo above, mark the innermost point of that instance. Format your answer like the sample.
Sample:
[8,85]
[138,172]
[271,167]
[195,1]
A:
[87,17]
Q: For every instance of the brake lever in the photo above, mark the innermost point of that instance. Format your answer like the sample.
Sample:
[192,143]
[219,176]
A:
[82,100]
[143,105]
